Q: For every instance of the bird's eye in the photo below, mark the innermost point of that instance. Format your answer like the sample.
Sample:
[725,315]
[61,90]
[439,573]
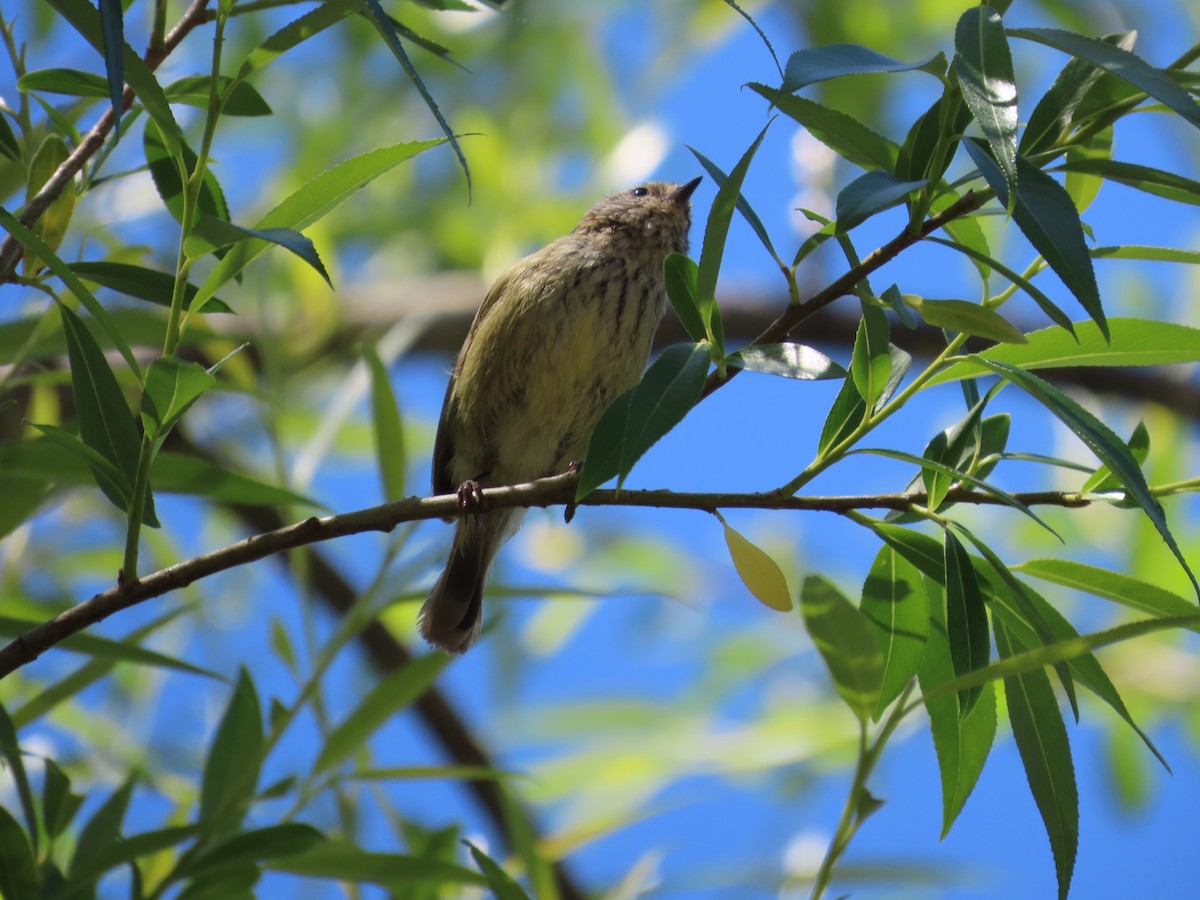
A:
[639,192]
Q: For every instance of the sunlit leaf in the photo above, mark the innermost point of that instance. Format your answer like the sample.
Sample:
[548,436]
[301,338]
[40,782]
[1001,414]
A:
[896,603]
[984,67]
[967,318]
[761,574]
[788,360]
[846,641]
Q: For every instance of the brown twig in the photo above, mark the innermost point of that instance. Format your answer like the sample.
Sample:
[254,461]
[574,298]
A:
[558,489]
[11,250]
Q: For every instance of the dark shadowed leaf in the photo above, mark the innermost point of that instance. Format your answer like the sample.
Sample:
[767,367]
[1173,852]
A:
[809,66]
[501,883]
[846,641]
[869,194]
[103,829]
[843,134]
[234,757]
[9,147]
[1045,750]
[212,233]
[240,98]
[260,844]
[966,618]
[680,274]
[10,750]
[18,873]
[59,804]
[164,169]
[896,603]
[112,27]
[140,282]
[344,861]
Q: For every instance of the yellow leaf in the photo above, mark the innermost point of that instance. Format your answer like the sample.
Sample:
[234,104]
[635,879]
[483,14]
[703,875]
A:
[758,572]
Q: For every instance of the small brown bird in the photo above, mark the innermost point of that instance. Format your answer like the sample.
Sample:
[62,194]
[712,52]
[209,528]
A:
[559,336]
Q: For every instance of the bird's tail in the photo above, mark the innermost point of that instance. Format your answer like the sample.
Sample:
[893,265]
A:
[452,614]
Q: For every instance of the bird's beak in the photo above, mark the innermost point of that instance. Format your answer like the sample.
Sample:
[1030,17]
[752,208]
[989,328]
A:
[684,193]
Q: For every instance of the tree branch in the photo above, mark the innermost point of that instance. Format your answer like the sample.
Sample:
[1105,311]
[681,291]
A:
[558,489]
[12,250]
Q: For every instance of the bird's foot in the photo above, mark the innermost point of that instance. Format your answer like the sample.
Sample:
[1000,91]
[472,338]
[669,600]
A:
[470,498]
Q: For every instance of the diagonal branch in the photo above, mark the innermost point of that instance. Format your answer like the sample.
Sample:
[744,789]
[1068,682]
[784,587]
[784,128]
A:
[11,250]
[556,490]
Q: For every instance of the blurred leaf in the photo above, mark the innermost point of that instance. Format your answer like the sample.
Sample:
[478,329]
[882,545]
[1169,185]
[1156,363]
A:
[716,230]
[984,67]
[103,829]
[811,65]
[72,82]
[1125,65]
[59,804]
[895,602]
[18,872]
[286,839]
[130,848]
[241,100]
[966,618]
[1100,439]
[388,428]
[140,282]
[1115,586]
[502,885]
[394,871]
[1053,116]
[35,244]
[112,27]
[1103,480]
[399,690]
[234,758]
[871,361]
[680,272]
[1046,752]
[869,194]
[786,359]
[9,147]
[761,574]
[1131,342]
[1046,215]
[308,204]
[967,318]
[843,134]
[963,742]
[1048,306]
[1154,254]
[846,640]
[743,206]
[10,749]
[172,386]
[52,226]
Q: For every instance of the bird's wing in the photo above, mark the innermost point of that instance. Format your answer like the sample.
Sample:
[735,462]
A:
[443,447]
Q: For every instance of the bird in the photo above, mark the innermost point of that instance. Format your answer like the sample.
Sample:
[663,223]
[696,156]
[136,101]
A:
[559,336]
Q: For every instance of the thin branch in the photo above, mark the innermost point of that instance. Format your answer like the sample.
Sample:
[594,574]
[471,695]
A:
[11,250]
[556,490]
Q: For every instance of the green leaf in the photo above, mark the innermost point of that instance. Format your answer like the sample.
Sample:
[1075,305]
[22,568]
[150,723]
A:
[72,82]
[105,422]
[962,742]
[9,147]
[112,27]
[180,474]
[212,233]
[846,641]
[759,573]
[172,386]
[1100,439]
[871,361]
[844,135]
[1153,181]
[1047,305]
[130,848]
[18,872]
[1082,186]
[1104,480]
[743,206]
[966,618]
[260,844]
[1131,342]
[164,170]
[933,139]
[965,231]
[1045,751]
[140,282]
[967,318]
[35,244]
[399,690]
[603,458]
[238,97]
[10,749]
[984,67]
[59,804]
[85,19]
[1125,65]
[52,226]
[844,415]
[103,648]
[680,272]
[1054,115]
[307,205]
[1115,586]
[388,428]
[716,230]
[1154,254]
[100,466]
[896,603]
[788,360]
[869,194]
[502,885]
[234,758]
[815,64]
[103,829]
[296,32]
[1046,215]
[395,871]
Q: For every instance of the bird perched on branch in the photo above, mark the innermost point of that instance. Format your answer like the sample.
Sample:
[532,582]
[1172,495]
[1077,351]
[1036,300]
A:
[559,336]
